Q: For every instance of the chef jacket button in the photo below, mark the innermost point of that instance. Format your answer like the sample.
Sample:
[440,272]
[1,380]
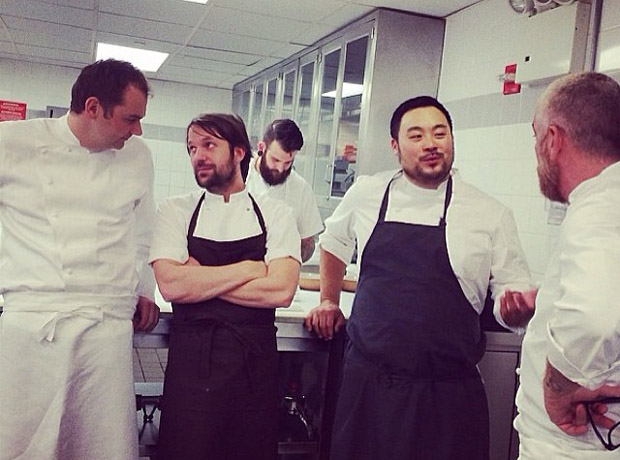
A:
[69,271]
[50,181]
[44,151]
[518,371]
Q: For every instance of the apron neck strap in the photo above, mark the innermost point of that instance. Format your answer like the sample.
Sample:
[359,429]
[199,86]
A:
[192,222]
[386,198]
[194,219]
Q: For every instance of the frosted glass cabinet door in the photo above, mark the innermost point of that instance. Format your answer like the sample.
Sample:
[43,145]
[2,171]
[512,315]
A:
[326,123]
[270,106]
[256,128]
[288,93]
[344,166]
[303,116]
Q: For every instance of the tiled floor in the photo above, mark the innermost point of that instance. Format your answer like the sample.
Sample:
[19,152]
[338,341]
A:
[149,364]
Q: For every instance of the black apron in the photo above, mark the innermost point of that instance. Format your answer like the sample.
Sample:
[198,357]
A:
[220,393]
[410,388]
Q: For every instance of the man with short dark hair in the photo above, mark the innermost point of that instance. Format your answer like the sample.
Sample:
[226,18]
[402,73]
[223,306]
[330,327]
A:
[570,354]
[272,174]
[76,208]
[226,261]
[430,247]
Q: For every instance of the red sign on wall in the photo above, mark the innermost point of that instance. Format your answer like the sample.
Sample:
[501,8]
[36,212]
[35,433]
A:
[10,110]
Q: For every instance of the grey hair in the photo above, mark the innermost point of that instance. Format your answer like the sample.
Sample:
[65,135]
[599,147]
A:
[587,106]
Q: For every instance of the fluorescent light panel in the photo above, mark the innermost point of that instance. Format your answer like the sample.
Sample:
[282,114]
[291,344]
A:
[197,1]
[348,90]
[146,60]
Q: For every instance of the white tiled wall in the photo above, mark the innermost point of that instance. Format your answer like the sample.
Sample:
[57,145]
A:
[498,157]
[172,106]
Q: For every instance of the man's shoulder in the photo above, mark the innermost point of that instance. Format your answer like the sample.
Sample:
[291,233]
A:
[20,126]
[180,203]
[137,145]
[373,183]
[471,194]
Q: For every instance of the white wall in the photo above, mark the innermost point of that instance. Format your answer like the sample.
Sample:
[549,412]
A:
[169,111]
[493,135]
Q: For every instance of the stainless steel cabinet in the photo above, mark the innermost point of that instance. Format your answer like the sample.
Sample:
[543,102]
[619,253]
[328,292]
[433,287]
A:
[498,370]
[347,86]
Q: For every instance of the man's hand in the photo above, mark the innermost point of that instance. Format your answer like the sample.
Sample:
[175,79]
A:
[146,316]
[324,320]
[565,403]
[517,308]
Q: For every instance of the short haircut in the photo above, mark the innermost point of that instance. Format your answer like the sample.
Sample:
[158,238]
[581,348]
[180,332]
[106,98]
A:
[286,132]
[587,106]
[415,103]
[106,80]
[229,128]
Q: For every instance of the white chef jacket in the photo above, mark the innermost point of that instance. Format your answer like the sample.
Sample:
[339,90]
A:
[296,193]
[76,230]
[73,221]
[223,221]
[576,324]
[481,234]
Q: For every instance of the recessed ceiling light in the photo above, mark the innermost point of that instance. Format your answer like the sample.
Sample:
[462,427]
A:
[348,90]
[146,60]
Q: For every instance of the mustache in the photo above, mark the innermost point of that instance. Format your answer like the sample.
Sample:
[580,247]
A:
[432,156]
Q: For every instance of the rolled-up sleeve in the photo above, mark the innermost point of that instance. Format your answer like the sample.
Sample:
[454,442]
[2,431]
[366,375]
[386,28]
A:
[339,236]
[584,333]
[170,235]
[282,234]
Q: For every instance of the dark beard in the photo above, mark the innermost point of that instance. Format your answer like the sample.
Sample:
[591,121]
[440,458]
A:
[549,181]
[219,178]
[270,176]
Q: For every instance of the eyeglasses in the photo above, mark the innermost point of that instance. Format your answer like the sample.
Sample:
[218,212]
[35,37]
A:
[607,443]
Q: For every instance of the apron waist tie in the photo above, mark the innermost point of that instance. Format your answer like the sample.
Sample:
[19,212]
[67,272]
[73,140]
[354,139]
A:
[391,379]
[48,329]
[212,324]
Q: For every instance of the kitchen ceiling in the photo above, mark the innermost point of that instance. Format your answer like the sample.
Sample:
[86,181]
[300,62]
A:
[217,44]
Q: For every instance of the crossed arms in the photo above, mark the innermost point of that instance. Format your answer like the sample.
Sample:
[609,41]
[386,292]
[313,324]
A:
[248,283]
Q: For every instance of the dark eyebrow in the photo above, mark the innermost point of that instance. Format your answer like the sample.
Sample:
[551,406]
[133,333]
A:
[419,128]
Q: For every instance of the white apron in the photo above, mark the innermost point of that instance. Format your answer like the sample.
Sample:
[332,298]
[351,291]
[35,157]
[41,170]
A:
[66,379]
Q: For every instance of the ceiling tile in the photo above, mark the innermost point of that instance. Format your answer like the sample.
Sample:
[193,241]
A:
[61,30]
[345,15]
[288,9]
[199,64]
[221,41]
[252,25]
[61,42]
[53,53]
[143,28]
[137,42]
[172,11]
[44,11]
[236,57]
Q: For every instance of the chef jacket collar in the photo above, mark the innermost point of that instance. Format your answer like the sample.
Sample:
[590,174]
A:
[234,197]
[65,135]
[428,192]
[584,187]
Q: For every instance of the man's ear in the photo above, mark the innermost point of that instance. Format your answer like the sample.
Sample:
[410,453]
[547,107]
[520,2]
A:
[394,145]
[556,140]
[238,154]
[261,147]
[92,106]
